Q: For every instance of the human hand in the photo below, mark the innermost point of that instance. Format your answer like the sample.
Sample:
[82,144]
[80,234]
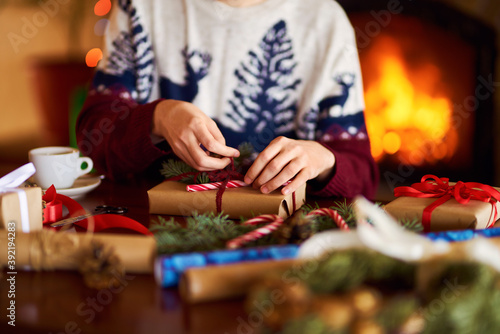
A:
[284,159]
[185,127]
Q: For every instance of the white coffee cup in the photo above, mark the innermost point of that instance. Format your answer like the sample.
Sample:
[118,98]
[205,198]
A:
[58,165]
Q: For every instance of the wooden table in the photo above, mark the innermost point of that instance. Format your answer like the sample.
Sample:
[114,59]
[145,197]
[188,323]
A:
[59,302]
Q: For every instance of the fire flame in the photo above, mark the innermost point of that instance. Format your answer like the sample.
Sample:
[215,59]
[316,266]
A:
[408,114]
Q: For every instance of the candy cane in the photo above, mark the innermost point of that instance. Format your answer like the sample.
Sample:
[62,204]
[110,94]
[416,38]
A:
[215,185]
[274,221]
[337,218]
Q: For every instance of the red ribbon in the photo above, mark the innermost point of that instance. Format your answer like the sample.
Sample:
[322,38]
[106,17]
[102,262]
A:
[53,213]
[431,186]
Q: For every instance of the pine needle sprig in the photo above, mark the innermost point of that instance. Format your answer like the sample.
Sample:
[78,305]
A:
[203,232]
[173,168]
[247,156]
[346,210]
[414,224]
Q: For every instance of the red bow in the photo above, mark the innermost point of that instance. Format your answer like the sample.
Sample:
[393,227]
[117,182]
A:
[431,186]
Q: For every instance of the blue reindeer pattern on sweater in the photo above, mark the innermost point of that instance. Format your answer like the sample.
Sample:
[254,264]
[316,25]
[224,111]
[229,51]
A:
[326,121]
[188,90]
[263,104]
[131,62]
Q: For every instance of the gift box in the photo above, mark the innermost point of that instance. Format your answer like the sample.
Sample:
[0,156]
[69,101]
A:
[20,208]
[171,198]
[444,206]
[13,209]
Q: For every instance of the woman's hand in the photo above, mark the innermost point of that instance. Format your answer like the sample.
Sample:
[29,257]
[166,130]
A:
[185,127]
[284,159]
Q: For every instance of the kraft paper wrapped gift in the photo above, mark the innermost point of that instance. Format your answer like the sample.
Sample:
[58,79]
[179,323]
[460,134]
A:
[11,207]
[21,207]
[171,198]
[450,215]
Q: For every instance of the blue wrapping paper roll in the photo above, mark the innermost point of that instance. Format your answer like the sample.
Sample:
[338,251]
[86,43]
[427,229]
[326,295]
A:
[169,268]
[463,235]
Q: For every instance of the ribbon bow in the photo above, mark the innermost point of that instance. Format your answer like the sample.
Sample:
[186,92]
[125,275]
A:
[11,181]
[431,186]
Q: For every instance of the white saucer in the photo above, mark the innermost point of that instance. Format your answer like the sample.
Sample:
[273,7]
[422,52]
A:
[81,186]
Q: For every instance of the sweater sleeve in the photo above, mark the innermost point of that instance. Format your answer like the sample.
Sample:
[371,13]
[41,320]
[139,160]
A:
[114,126]
[115,133]
[336,118]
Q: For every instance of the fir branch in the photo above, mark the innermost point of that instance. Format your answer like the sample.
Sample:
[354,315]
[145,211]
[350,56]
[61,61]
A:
[203,232]
[173,168]
[412,224]
[347,212]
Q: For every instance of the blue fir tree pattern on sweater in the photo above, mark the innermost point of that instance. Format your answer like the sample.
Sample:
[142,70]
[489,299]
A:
[264,104]
[187,91]
[131,62]
[326,120]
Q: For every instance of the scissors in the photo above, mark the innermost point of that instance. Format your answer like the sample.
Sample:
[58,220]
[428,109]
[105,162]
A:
[99,210]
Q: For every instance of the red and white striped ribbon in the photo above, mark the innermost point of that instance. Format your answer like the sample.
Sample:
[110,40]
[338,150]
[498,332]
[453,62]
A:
[337,218]
[274,221]
[215,185]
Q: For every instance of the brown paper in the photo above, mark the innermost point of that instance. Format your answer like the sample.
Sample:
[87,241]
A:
[214,283]
[171,198]
[449,216]
[49,250]
[10,209]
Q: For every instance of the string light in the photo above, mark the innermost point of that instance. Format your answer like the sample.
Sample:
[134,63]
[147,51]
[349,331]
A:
[101,8]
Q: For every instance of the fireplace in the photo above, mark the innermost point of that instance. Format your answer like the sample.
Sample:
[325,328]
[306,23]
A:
[428,71]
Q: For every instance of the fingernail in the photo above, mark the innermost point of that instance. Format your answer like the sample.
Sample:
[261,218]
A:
[264,190]
[236,154]
[285,191]
[247,180]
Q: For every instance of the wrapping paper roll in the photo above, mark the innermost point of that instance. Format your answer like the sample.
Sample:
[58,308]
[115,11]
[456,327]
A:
[464,235]
[215,283]
[49,250]
[169,268]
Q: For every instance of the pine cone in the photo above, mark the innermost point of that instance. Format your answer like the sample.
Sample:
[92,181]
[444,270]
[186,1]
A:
[100,267]
[296,229]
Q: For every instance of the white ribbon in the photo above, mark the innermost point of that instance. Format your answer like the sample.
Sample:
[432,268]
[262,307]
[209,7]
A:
[10,182]
[383,234]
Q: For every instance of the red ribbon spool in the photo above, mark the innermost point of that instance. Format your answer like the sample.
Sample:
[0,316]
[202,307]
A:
[53,213]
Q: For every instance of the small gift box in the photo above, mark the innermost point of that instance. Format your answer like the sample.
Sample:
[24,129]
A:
[20,208]
[172,198]
[443,206]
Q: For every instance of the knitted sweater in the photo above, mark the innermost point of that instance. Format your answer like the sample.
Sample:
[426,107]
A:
[279,68]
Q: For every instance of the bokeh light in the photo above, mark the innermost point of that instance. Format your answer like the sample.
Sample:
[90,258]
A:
[100,27]
[93,57]
[102,7]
